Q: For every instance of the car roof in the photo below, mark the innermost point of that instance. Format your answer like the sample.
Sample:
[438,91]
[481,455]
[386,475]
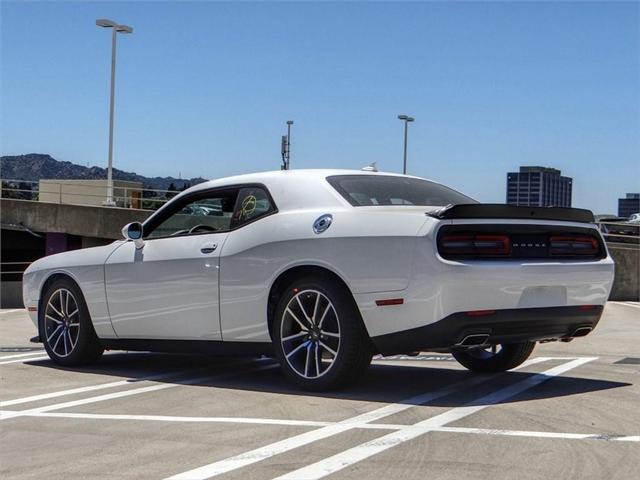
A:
[286,176]
[294,189]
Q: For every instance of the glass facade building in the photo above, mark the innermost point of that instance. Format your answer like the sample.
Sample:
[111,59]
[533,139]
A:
[629,205]
[538,187]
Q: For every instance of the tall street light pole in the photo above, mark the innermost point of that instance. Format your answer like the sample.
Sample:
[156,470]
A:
[406,119]
[115,29]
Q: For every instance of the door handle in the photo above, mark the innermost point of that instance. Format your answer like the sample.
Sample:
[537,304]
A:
[208,248]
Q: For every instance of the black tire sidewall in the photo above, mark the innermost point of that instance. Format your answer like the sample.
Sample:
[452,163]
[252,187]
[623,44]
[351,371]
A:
[87,348]
[351,360]
[510,356]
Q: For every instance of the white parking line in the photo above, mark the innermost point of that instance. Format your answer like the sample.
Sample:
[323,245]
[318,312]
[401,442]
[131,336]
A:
[2,312]
[262,453]
[37,352]
[526,433]
[173,418]
[40,352]
[127,393]
[100,386]
[309,423]
[356,454]
[628,304]
[23,360]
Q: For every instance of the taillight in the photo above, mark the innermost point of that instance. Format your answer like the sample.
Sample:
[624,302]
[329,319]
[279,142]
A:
[475,245]
[573,246]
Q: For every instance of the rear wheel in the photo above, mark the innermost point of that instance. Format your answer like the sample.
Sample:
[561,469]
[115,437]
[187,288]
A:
[66,329]
[494,358]
[319,337]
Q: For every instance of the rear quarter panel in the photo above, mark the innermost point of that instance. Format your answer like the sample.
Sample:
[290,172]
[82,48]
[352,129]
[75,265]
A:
[372,251]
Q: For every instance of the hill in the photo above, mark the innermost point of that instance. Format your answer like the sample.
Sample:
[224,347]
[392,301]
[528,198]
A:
[35,166]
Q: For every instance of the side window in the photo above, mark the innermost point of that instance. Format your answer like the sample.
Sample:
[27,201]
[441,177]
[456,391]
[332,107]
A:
[211,212]
[252,203]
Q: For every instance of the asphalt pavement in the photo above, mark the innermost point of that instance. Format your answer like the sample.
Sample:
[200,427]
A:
[571,412]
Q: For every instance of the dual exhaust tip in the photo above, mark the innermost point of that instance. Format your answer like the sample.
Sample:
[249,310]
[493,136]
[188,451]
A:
[581,331]
[474,340]
[481,339]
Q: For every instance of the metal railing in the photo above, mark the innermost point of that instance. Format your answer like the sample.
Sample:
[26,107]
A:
[13,271]
[620,232]
[85,193]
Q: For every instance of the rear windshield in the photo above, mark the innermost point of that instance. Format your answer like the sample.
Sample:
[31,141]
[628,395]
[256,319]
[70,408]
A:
[368,190]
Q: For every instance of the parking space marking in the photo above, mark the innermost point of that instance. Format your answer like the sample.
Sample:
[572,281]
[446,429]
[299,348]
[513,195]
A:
[127,393]
[527,433]
[311,423]
[628,304]
[632,438]
[20,355]
[23,360]
[291,443]
[365,450]
[174,418]
[100,386]
[2,312]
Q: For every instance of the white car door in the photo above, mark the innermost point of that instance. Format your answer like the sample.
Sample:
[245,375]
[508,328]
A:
[168,289]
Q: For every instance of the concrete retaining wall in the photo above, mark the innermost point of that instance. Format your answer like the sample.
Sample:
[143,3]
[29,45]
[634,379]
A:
[626,286]
[81,220]
[11,295]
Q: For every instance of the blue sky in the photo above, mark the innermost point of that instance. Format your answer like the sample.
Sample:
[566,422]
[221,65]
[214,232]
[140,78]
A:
[204,88]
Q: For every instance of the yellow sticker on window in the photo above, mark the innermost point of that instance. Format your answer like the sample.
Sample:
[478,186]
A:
[248,206]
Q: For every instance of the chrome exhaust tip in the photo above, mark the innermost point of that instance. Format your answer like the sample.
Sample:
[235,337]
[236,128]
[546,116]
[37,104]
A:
[581,331]
[475,340]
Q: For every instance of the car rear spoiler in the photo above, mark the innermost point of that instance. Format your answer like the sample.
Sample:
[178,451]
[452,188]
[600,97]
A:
[498,210]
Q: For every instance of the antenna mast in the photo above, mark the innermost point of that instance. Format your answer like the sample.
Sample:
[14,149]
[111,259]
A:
[286,147]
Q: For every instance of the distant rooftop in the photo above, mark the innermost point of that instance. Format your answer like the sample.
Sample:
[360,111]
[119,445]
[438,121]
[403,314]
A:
[539,169]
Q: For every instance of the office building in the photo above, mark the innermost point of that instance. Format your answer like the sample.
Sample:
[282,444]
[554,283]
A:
[629,205]
[538,187]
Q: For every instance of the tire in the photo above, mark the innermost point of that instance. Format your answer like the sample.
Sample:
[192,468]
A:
[483,360]
[65,325]
[332,351]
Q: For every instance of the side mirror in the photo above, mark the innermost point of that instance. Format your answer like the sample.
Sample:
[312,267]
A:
[133,232]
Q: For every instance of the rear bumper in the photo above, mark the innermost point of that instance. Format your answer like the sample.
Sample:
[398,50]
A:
[440,288]
[503,326]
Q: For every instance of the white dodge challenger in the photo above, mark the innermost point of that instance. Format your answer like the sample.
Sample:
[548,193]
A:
[323,269]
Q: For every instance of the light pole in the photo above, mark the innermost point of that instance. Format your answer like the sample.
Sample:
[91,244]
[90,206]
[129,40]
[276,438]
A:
[116,28]
[406,120]
[286,146]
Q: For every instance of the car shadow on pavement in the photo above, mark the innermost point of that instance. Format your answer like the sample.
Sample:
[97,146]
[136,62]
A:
[385,383]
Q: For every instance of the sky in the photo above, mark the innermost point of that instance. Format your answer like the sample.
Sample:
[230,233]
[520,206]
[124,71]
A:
[204,88]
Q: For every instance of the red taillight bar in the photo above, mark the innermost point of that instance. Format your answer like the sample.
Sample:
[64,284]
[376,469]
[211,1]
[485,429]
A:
[498,244]
[573,246]
[475,245]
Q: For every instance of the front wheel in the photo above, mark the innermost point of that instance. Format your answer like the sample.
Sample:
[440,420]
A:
[318,335]
[495,358]
[65,325]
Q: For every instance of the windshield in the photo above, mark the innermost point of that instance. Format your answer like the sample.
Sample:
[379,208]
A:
[371,190]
